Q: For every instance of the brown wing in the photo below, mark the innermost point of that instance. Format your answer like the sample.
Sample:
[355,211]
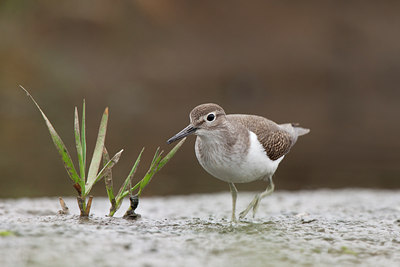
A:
[276,141]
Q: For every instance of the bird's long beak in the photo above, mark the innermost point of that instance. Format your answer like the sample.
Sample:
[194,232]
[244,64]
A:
[185,132]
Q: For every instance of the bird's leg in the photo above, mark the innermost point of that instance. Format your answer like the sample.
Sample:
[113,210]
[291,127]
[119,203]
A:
[268,191]
[256,201]
[234,196]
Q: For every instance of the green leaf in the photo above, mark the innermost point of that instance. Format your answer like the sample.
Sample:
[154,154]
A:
[98,151]
[130,176]
[146,178]
[79,149]
[5,233]
[156,154]
[122,191]
[62,150]
[150,173]
[108,177]
[83,139]
[158,164]
[114,160]
[170,154]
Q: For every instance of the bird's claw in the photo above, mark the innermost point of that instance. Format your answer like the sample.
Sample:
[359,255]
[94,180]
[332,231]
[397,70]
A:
[253,205]
[243,214]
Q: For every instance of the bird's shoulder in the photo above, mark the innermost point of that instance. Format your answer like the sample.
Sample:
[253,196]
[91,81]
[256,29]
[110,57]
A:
[276,140]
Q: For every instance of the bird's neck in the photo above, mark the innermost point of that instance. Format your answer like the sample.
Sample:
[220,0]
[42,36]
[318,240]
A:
[225,137]
[220,144]
[224,134]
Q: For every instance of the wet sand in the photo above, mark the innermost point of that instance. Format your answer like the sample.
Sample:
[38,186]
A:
[306,228]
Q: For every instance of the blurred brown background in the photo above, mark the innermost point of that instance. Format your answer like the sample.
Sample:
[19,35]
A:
[333,66]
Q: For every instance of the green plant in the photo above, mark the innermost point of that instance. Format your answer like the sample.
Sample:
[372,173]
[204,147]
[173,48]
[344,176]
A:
[82,183]
[126,189]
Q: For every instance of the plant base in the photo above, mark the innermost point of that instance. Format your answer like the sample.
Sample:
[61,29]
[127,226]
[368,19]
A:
[83,206]
[130,213]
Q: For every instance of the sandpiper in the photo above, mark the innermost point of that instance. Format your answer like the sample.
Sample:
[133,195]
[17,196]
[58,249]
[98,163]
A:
[238,148]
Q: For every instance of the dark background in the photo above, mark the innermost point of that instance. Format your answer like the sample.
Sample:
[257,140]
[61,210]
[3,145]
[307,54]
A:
[333,66]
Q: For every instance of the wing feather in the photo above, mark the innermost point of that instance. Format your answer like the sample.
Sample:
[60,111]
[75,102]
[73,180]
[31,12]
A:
[275,140]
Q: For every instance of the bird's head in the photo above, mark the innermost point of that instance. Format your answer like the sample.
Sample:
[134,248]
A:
[205,120]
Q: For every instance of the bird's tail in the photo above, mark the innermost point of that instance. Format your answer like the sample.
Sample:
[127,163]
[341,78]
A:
[295,129]
[300,130]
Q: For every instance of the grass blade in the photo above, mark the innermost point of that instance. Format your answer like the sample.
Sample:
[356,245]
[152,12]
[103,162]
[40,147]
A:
[157,164]
[150,173]
[61,148]
[130,176]
[83,139]
[114,160]
[116,204]
[156,154]
[145,180]
[98,151]
[108,178]
[79,148]
[170,154]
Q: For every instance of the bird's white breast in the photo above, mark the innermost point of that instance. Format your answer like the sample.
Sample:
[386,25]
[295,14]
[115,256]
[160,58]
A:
[233,166]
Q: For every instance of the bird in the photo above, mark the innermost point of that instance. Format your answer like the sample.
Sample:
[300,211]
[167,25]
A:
[239,148]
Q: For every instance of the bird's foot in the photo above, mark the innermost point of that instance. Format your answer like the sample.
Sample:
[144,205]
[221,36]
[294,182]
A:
[243,214]
[253,205]
[233,219]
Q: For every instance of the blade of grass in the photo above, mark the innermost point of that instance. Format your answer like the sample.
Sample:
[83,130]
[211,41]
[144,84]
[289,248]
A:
[79,149]
[121,194]
[61,148]
[145,180]
[114,160]
[155,155]
[83,140]
[108,178]
[125,193]
[170,154]
[130,176]
[156,165]
[150,173]
[98,151]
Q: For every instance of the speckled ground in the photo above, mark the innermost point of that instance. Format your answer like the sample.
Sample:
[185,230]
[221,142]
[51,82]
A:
[307,228]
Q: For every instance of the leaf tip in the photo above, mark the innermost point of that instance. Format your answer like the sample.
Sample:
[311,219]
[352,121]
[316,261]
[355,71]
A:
[26,91]
[106,111]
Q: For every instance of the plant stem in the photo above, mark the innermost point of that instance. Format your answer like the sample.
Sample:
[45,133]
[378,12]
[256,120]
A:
[64,208]
[82,206]
[89,205]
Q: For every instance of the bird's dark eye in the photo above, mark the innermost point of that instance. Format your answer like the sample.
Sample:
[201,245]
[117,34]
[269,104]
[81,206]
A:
[210,117]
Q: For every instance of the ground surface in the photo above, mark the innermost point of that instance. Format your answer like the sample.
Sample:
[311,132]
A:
[306,228]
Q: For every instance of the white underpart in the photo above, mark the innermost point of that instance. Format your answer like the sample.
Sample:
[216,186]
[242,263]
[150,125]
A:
[257,160]
[236,169]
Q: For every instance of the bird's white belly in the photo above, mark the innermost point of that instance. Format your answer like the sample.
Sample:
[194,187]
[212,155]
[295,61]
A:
[235,167]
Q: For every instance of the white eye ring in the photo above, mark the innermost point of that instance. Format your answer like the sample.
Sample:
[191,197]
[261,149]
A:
[210,117]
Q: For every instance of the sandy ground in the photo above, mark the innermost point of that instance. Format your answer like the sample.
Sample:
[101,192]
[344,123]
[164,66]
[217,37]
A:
[307,228]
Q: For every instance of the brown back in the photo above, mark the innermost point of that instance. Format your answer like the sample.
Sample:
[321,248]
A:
[275,140]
